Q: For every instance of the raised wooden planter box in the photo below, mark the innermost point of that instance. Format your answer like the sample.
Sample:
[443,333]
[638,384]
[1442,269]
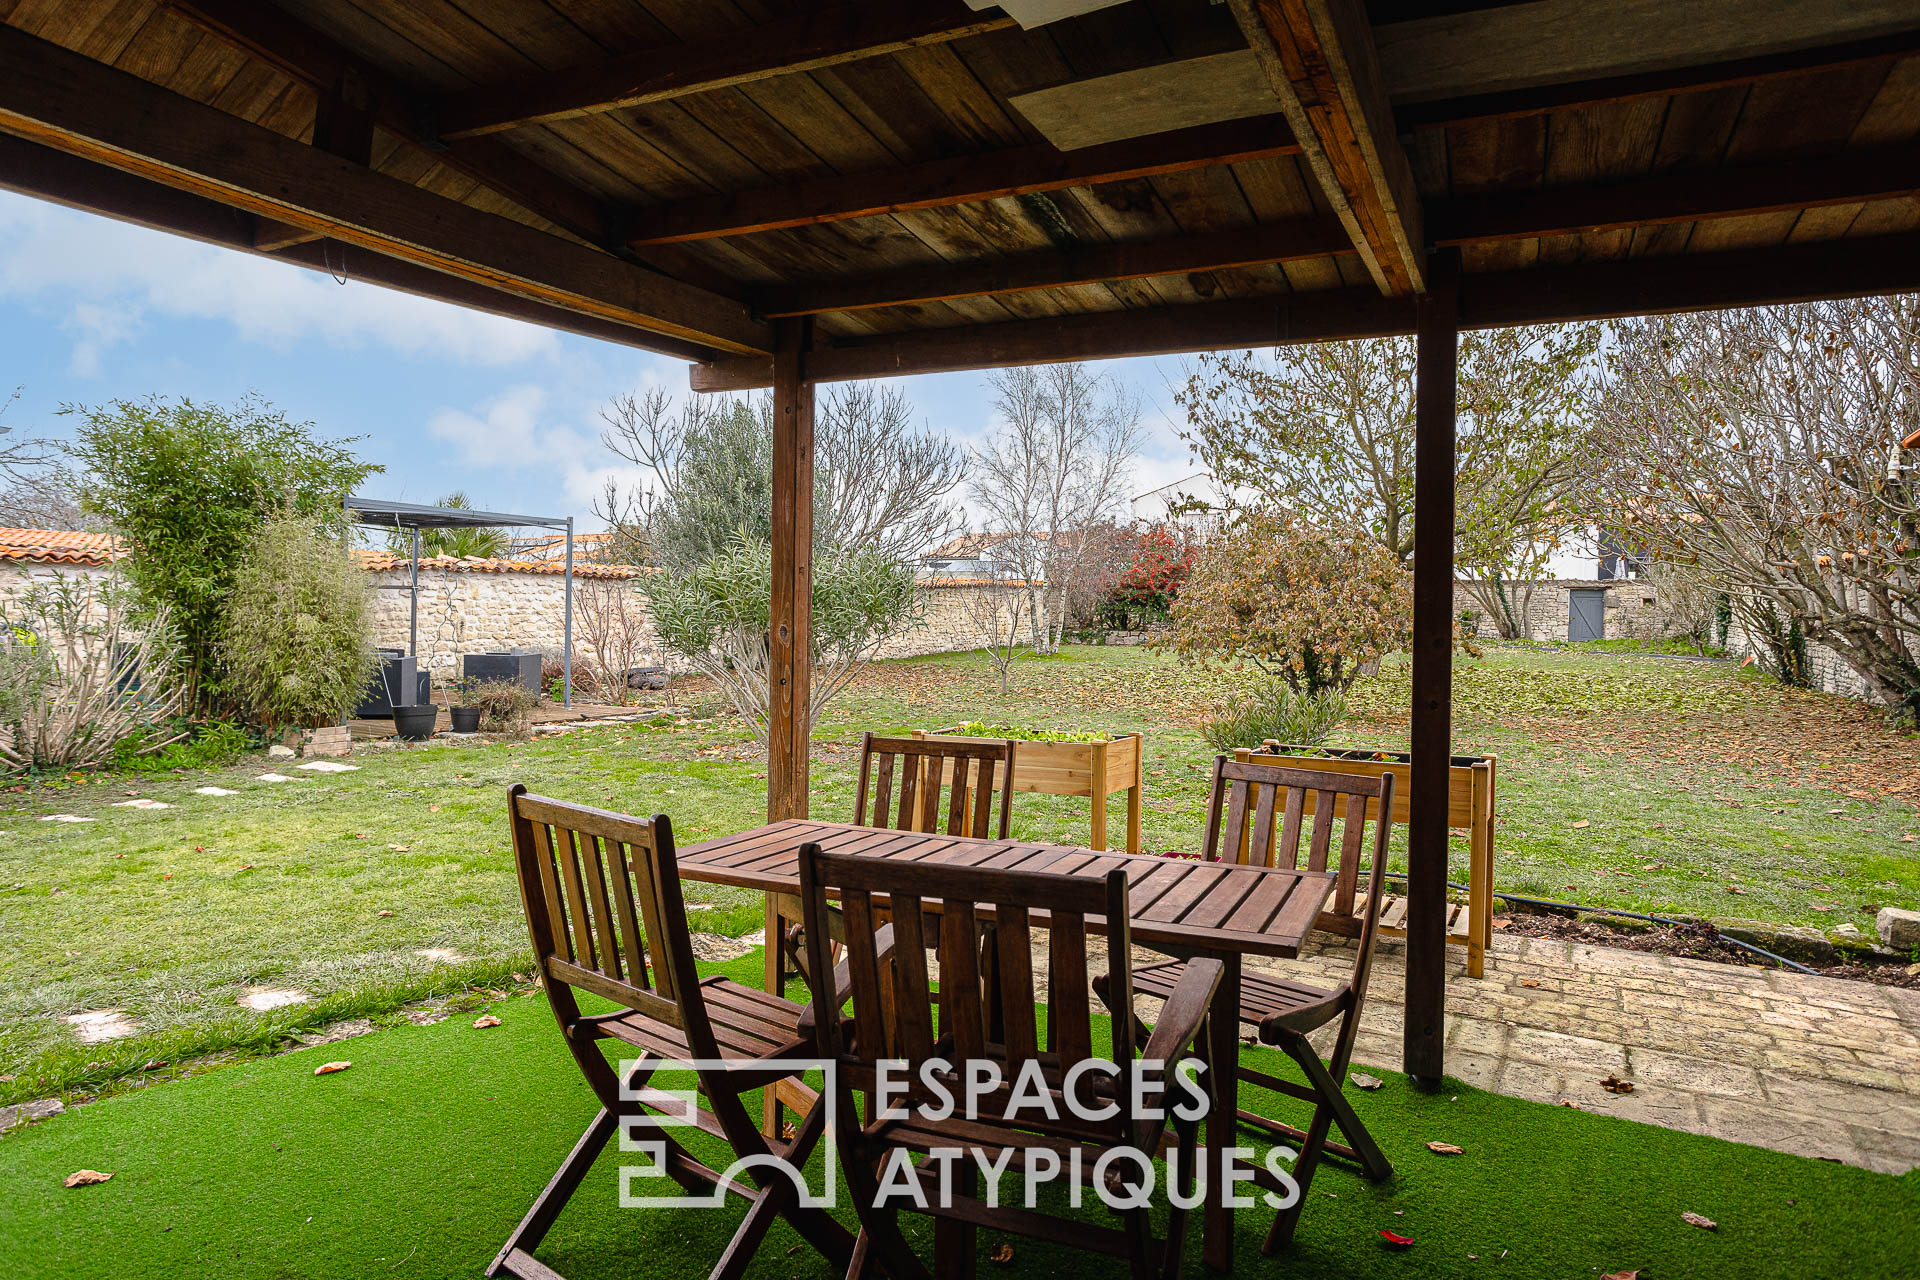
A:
[1092,769]
[1470,804]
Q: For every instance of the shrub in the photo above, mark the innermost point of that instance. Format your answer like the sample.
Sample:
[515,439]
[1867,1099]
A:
[504,704]
[183,745]
[298,643]
[81,672]
[1272,710]
[1308,604]
[186,485]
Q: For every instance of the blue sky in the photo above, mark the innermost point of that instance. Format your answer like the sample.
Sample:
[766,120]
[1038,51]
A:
[93,310]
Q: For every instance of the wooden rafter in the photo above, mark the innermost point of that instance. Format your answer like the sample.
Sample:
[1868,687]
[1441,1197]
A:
[1850,178]
[1319,57]
[33,170]
[960,180]
[1854,267]
[1287,241]
[803,42]
[67,101]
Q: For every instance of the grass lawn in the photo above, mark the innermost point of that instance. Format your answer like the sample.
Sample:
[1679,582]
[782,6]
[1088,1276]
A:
[1692,781]
[418,1161]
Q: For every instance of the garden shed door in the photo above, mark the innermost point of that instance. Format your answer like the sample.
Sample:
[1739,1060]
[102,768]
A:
[1586,615]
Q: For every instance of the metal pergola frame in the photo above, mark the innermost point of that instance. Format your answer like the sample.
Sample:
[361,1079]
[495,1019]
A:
[377,513]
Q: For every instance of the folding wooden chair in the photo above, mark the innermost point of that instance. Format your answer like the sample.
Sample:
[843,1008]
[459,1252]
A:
[971,773]
[945,908]
[1258,814]
[602,898]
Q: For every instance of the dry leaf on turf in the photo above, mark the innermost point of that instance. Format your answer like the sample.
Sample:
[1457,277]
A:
[1445,1149]
[328,1068]
[399,848]
[386,913]
[1002,1254]
[1582,823]
[1397,1241]
[1363,1081]
[1696,1220]
[487,1020]
[1621,1275]
[85,1178]
[1614,1084]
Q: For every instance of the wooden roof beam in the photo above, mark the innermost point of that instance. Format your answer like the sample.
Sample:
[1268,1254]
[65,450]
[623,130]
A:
[803,42]
[1594,291]
[1319,57]
[33,170]
[1288,241]
[1850,178]
[959,180]
[64,100]
[266,32]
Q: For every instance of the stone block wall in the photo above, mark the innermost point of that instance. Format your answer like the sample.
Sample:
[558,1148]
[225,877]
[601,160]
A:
[1632,608]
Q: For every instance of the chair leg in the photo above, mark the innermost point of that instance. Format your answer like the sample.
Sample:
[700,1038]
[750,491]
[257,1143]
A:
[1174,1250]
[547,1206]
[955,1243]
[1372,1160]
[1280,1234]
[752,1230]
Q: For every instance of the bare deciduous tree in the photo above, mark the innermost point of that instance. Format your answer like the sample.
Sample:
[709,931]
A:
[612,626]
[1054,473]
[1326,430]
[997,610]
[1762,448]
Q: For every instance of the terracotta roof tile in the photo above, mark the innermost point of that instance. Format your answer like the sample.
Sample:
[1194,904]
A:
[58,546]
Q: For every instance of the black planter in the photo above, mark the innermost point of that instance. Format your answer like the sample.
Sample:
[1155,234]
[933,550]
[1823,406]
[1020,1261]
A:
[465,719]
[416,722]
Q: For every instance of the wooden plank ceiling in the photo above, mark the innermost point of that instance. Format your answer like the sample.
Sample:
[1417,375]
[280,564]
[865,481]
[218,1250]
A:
[675,173]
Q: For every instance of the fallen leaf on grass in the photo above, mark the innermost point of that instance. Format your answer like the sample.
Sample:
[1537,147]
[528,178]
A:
[152,1066]
[1397,1241]
[328,1068]
[1621,1275]
[1614,1084]
[85,1178]
[1445,1149]
[1363,1081]
[1582,823]
[1002,1254]
[486,1021]
[433,808]
[1697,1220]
[1566,1102]
[386,913]
[399,848]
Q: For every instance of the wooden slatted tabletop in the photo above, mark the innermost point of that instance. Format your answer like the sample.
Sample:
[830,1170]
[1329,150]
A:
[1178,904]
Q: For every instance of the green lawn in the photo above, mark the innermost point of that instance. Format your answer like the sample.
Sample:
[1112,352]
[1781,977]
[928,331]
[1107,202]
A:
[419,1159]
[1692,778]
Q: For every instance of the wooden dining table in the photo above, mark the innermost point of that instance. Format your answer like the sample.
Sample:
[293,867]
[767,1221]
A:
[1180,907]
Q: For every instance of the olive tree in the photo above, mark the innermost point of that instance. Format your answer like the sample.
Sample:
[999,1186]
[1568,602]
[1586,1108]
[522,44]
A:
[718,615]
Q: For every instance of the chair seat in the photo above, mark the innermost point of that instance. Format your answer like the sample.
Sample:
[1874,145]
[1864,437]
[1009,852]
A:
[1265,1001]
[748,1024]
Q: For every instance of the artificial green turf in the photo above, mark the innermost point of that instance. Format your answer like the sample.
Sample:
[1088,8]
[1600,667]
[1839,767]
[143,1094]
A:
[419,1160]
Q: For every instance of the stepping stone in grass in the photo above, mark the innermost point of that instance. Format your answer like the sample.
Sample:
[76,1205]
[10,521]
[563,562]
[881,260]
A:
[275,777]
[64,817]
[327,766]
[142,803]
[214,791]
[95,1026]
[264,998]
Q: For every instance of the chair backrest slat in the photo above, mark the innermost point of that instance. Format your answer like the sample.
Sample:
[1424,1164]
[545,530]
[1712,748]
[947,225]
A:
[979,922]
[1290,831]
[605,912]
[1323,816]
[1352,833]
[967,769]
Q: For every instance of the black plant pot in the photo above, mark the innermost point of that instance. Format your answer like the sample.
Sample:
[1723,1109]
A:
[416,722]
[466,719]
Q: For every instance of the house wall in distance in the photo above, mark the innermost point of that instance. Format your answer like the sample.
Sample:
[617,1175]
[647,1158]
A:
[1632,608]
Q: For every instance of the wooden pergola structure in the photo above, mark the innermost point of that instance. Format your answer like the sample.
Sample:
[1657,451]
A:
[793,191]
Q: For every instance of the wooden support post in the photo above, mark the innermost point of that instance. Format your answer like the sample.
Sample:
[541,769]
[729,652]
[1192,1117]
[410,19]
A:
[789,691]
[1438,339]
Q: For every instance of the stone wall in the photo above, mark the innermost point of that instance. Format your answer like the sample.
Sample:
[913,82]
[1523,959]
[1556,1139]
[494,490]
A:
[1827,671]
[1632,608]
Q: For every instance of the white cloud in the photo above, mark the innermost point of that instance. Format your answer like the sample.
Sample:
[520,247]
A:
[113,277]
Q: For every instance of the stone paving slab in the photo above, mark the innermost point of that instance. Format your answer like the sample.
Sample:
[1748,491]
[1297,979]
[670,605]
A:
[1806,1064]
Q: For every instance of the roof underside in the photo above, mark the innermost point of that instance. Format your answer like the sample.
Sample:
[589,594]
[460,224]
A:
[1186,174]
